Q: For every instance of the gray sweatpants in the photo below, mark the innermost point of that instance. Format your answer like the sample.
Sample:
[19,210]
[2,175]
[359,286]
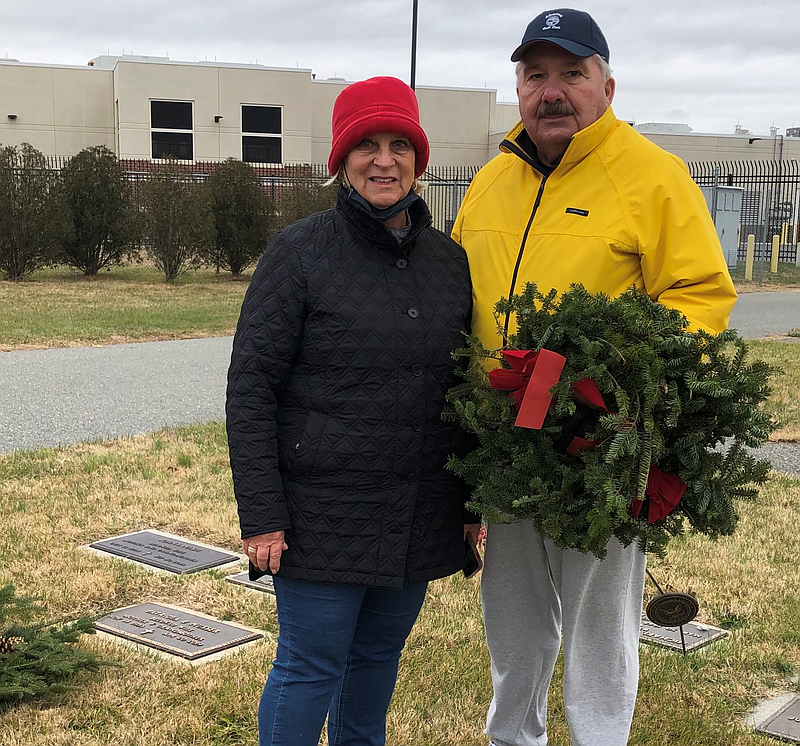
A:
[531,592]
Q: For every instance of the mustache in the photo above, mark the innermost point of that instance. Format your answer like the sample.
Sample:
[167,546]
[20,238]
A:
[555,109]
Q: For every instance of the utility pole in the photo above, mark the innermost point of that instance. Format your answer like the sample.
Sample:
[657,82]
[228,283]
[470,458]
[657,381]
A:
[414,46]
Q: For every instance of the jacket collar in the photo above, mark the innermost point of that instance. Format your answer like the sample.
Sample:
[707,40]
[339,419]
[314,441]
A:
[518,142]
[374,232]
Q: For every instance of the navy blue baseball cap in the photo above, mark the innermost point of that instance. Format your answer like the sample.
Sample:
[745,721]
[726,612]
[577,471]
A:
[573,30]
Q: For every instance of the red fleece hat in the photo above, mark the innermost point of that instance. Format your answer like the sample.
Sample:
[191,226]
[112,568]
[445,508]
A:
[371,107]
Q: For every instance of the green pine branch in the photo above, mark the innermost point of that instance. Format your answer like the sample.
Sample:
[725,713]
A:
[39,658]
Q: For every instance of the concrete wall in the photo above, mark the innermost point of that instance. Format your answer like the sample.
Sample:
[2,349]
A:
[700,147]
[59,110]
[323,94]
[214,91]
[456,121]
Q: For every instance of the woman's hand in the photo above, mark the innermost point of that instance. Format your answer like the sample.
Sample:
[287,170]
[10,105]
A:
[265,550]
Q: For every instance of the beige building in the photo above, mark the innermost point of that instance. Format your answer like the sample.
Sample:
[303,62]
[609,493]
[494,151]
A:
[150,107]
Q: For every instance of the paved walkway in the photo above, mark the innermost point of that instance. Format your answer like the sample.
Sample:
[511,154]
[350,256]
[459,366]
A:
[54,397]
[763,314]
[61,396]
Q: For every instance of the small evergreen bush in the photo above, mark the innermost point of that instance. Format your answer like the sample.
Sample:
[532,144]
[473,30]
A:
[304,198]
[177,228]
[100,216]
[244,217]
[32,217]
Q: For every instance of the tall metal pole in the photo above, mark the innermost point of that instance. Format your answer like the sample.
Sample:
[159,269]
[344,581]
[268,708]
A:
[414,46]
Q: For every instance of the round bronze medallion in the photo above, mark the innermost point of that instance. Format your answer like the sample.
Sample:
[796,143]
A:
[672,609]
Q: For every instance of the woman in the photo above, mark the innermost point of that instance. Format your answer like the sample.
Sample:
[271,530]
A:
[340,365]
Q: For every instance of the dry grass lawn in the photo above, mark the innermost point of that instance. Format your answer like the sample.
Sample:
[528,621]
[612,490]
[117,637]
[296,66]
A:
[786,278]
[55,500]
[784,402]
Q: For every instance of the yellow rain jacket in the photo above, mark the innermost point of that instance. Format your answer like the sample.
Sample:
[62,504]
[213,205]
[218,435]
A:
[617,211]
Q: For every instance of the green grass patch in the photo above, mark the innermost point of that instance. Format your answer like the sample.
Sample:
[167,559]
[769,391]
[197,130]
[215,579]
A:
[53,501]
[60,308]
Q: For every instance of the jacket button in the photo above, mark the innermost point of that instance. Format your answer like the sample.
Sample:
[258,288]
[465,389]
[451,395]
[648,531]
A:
[417,425]
[412,479]
[401,263]
[416,529]
[416,370]
[412,312]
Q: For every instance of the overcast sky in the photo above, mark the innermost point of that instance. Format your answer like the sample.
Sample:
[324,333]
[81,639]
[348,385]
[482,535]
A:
[708,63]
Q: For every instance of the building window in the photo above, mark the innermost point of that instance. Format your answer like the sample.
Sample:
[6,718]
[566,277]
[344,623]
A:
[171,129]
[262,134]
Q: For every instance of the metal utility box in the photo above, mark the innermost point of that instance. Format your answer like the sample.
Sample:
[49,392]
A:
[727,217]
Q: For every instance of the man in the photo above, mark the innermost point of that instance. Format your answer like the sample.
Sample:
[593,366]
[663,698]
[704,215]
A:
[576,196]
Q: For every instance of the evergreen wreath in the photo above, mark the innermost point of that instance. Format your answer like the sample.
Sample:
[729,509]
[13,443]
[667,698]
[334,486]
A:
[680,408]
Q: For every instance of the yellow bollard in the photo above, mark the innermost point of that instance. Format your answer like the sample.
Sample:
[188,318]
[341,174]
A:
[776,244]
[751,252]
[785,233]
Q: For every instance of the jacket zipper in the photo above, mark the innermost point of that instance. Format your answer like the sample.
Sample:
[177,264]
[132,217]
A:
[521,252]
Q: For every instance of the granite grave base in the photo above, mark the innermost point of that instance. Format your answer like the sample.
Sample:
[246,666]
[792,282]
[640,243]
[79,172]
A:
[785,724]
[263,584]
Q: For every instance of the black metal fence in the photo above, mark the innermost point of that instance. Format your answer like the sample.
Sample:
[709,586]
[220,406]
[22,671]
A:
[770,201]
[446,187]
[770,192]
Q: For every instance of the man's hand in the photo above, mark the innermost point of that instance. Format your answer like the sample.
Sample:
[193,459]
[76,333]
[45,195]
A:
[474,530]
[265,550]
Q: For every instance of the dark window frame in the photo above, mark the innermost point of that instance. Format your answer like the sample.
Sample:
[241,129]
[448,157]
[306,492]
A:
[178,135]
[249,137]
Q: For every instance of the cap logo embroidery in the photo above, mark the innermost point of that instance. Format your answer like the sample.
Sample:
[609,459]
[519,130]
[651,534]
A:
[551,21]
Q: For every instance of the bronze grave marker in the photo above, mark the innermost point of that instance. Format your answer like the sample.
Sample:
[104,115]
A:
[174,631]
[164,552]
[263,584]
[785,724]
[695,635]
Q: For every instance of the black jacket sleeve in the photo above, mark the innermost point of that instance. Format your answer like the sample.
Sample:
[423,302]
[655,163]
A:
[267,338]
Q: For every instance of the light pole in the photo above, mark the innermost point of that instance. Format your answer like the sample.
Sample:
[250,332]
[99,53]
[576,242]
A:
[414,46]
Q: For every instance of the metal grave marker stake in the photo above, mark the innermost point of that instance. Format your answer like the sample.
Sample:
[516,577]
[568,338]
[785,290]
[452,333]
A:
[173,630]
[263,584]
[164,551]
[785,724]
[695,635]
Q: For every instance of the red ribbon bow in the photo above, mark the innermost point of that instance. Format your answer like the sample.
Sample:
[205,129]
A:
[664,492]
[529,381]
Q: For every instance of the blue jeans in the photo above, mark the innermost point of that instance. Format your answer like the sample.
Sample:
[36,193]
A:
[338,651]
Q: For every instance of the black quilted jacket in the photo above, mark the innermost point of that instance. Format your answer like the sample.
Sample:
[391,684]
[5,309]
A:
[340,365]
